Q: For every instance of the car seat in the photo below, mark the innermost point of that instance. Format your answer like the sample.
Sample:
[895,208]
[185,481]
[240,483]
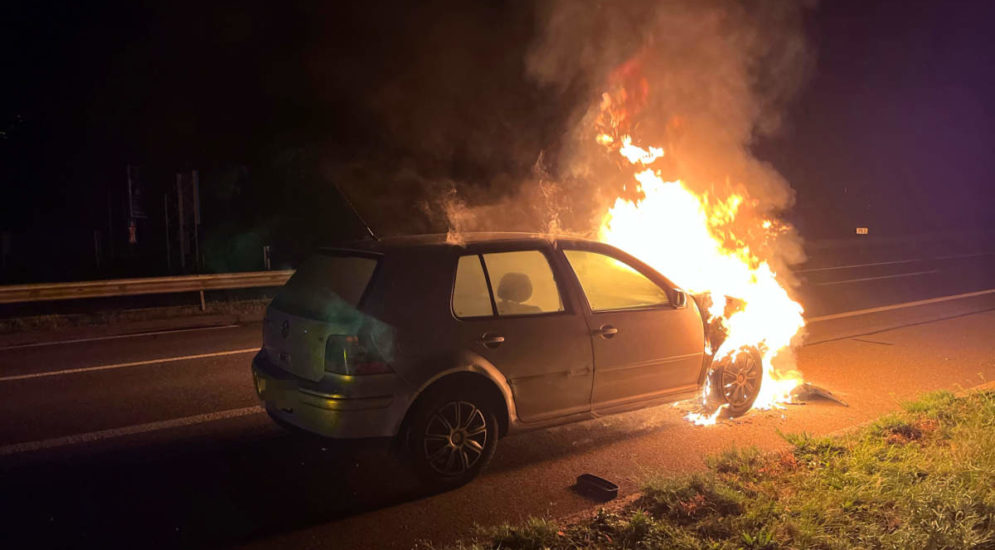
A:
[514,289]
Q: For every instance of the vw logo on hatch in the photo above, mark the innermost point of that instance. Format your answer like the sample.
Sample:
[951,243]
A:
[285,329]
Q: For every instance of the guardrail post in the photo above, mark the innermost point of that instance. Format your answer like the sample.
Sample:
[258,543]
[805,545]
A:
[203,306]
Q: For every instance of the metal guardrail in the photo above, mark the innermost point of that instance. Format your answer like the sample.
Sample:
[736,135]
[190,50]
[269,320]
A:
[41,292]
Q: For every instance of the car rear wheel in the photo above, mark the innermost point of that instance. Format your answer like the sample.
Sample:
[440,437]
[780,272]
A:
[450,440]
[736,379]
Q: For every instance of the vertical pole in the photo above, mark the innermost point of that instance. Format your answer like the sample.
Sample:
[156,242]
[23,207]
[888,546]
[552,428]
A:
[165,216]
[196,221]
[132,227]
[96,248]
[4,250]
[203,306]
[110,227]
[127,176]
[179,217]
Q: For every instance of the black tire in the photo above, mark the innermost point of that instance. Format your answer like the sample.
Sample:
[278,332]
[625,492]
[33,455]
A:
[451,438]
[736,380]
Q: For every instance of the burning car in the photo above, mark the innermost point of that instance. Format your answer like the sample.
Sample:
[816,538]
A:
[447,346]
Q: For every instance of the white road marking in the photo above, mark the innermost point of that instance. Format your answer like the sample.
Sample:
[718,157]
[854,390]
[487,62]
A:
[938,258]
[858,312]
[126,365]
[112,337]
[978,255]
[859,265]
[897,276]
[89,437]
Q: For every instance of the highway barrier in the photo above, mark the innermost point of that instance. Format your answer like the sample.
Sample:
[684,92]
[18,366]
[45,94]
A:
[41,292]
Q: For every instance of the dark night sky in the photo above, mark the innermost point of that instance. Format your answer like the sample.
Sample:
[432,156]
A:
[898,114]
[894,128]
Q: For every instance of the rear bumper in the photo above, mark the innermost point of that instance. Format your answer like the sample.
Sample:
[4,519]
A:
[337,414]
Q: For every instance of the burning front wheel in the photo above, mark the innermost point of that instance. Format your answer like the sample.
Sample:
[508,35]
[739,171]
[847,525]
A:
[736,379]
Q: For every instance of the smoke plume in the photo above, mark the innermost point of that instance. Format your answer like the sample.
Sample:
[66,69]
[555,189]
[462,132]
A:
[703,79]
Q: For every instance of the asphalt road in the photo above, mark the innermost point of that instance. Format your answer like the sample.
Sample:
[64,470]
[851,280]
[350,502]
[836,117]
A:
[157,439]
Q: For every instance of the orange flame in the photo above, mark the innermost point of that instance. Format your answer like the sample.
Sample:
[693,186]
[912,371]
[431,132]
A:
[686,236]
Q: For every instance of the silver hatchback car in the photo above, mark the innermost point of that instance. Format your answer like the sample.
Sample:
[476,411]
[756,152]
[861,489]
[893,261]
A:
[446,347]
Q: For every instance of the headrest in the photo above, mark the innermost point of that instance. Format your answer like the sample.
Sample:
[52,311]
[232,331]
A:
[515,287]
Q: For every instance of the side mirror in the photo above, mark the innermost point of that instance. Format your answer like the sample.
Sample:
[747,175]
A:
[680,299]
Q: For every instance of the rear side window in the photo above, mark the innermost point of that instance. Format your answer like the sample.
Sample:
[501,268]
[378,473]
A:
[470,295]
[521,283]
[611,285]
[326,286]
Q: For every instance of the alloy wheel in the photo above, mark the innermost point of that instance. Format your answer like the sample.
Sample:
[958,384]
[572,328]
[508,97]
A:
[740,379]
[455,437]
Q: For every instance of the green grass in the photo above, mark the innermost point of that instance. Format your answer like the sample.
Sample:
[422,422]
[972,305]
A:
[921,478]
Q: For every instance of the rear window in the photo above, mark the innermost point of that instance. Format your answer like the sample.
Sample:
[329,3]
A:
[326,286]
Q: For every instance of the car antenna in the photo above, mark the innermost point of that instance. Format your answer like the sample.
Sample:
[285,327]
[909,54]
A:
[369,230]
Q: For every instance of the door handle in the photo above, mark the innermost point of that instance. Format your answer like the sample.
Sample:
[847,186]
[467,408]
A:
[607,331]
[491,340]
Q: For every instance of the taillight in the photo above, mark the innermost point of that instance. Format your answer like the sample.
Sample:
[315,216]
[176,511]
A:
[352,355]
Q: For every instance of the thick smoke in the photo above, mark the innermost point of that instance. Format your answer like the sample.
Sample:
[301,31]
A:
[703,79]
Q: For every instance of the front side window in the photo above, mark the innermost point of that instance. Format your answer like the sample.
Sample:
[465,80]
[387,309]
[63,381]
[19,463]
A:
[612,285]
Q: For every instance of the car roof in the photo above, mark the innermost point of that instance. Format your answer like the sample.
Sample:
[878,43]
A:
[444,241]
[457,240]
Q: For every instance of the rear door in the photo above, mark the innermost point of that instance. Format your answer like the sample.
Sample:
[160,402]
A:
[322,298]
[644,347]
[513,312]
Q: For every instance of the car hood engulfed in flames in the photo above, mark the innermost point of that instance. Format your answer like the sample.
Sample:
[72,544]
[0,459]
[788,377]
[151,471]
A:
[692,239]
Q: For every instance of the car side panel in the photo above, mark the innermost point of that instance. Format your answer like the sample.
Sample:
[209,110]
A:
[655,352]
[546,360]
[468,362]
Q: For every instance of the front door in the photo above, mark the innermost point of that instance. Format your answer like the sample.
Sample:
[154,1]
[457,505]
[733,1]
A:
[644,347]
[514,314]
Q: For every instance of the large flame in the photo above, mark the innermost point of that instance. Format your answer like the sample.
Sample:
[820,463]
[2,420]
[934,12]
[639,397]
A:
[686,237]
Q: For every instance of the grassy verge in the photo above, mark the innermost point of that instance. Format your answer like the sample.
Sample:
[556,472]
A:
[921,478]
